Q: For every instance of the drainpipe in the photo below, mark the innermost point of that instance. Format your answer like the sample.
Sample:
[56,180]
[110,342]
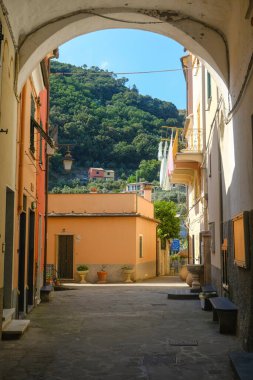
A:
[21,150]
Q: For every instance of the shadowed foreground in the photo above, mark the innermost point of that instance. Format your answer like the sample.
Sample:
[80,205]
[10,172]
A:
[119,333]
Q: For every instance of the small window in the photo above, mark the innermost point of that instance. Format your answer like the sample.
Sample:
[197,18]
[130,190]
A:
[193,249]
[241,239]
[209,86]
[32,126]
[1,36]
[97,172]
[140,246]
[41,151]
[210,166]
[32,134]
[212,233]
[224,255]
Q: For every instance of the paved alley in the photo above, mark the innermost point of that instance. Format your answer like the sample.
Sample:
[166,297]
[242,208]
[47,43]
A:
[119,332]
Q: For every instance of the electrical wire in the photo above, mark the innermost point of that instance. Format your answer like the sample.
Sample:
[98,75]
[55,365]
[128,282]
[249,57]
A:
[120,73]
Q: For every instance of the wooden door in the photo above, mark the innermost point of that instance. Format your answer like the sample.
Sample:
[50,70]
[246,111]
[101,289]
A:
[30,260]
[65,256]
[21,262]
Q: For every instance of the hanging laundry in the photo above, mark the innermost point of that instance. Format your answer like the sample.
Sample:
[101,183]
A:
[163,164]
[160,151]
[170,159]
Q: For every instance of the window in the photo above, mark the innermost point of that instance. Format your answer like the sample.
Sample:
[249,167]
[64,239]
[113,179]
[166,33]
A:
[210,166]
[241,239]
[212,233]
[1,36]
[41,152]
[209,87]
[140,246]
[32,126]
[193,249]
[32,140]
[224,256]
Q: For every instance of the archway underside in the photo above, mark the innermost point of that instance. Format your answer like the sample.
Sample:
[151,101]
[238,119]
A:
[200,38]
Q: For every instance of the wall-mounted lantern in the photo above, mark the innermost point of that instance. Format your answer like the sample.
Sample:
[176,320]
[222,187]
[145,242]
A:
[68,161]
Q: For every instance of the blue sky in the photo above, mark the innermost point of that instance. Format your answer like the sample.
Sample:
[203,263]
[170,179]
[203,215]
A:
[125,50]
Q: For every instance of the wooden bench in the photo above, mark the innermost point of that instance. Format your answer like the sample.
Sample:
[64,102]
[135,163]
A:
[225,312]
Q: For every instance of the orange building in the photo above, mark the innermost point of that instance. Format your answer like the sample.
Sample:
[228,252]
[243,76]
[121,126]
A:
[101,229]
[31,194]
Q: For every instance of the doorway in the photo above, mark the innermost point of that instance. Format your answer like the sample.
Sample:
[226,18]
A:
[30,261]
[21,262]
[8,256]
[65,256]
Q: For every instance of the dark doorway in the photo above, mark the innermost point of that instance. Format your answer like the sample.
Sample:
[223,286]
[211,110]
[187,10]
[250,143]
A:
[65,256]
[8,255]
[21,262]
[30,261]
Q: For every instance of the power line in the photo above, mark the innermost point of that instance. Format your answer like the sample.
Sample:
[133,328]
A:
[120,73]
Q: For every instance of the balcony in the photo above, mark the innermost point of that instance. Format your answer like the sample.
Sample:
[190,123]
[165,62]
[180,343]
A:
[189,159]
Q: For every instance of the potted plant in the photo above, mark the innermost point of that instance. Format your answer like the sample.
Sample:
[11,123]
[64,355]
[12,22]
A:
[102,275]
[127,271]
[82,270]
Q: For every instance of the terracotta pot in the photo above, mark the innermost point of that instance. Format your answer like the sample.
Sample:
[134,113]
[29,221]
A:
[102,277]
[189,279]
[183,273]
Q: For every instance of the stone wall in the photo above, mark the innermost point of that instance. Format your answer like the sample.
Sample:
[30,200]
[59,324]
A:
[240,285]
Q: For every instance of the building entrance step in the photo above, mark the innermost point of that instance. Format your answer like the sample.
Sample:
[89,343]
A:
[8,315]
[15,328]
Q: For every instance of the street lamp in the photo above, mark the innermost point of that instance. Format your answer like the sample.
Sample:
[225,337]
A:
[68,161]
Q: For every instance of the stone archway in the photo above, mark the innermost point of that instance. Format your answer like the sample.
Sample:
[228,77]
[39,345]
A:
[200,29]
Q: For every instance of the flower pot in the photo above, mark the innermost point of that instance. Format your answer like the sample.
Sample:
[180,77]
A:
[102,277]
[127,273]
[82,274]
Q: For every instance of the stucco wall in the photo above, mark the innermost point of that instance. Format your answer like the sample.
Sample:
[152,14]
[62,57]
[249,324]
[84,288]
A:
[146,265]
[92,203]
[8,120]
[97,241]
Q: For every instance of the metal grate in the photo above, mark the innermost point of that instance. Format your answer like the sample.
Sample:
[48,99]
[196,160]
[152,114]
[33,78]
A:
[173,342]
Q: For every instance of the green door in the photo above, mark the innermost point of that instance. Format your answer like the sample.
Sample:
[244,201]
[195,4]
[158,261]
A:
[65,256]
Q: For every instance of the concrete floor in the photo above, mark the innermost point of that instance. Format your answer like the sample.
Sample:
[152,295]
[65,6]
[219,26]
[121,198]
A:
[115,332]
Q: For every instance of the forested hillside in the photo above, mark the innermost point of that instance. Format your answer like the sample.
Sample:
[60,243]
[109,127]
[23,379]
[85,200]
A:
[110,125]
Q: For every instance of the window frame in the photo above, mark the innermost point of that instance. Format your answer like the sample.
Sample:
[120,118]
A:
[141,255]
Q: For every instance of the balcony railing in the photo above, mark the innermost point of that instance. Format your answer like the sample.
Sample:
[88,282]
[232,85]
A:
[194,140]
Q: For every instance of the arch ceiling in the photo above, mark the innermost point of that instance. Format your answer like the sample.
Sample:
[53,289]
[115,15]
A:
[39,27]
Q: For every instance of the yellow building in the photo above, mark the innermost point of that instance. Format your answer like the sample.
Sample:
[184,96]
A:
[101,229]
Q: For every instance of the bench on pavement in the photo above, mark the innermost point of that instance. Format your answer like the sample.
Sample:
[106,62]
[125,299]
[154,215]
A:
[225,312]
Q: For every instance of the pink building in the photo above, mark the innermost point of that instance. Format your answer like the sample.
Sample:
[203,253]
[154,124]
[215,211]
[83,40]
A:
[94,173]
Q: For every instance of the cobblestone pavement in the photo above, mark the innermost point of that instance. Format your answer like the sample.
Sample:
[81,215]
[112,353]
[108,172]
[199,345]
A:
[119,333]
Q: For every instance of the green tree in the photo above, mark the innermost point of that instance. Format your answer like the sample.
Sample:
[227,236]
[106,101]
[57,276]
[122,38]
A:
[108,123]
[148,169]
[169,226]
